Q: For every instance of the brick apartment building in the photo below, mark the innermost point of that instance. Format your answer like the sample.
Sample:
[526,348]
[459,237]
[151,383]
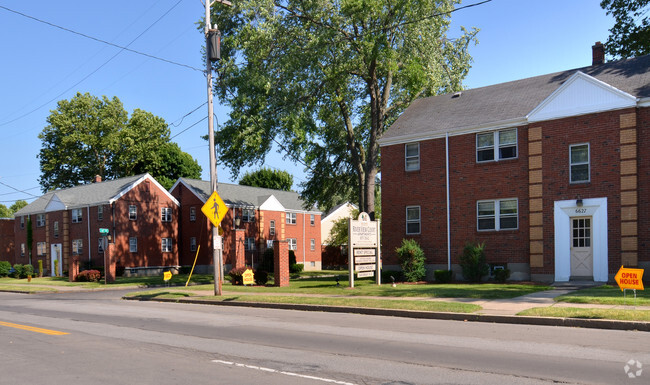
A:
[255,218]
[141,216]
[7,252]
[551,172]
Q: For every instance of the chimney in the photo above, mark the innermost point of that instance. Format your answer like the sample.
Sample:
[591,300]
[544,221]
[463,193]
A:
[597,54]
[98,179]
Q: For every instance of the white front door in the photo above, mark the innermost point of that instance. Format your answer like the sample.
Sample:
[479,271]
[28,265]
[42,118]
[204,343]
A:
[582,255]
[56,256]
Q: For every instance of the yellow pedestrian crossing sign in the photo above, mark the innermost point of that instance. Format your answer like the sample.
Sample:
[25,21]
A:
[215,209]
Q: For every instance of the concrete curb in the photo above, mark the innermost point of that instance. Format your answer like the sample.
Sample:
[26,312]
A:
[466,317]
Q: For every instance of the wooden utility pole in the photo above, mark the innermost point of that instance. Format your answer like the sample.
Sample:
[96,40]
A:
[217,254]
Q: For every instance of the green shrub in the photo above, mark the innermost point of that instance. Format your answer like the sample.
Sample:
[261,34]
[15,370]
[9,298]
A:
[472,261]
[501,275]
[292,258]
[18,271]
[296,268]
[89,276]
[386,274]
[261,277]
[5,266]
[119,270]
[237,275]
[411,258]
[443,276]
[185,270]
[28,271]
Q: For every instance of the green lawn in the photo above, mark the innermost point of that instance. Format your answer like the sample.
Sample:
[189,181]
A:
[23,284]
[437,306]
[367,287]
[572,312]
[606,295]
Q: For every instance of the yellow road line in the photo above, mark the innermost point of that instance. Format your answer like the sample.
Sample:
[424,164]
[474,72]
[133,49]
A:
[33,329]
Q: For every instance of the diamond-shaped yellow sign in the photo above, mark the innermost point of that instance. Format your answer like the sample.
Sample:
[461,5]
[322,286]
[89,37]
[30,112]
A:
[215,209]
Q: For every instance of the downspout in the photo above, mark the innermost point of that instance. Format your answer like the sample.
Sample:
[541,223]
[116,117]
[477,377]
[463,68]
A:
[89,241]
[304,241]
[448,214]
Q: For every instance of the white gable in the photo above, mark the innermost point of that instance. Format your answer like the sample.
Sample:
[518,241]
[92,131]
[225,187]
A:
[55,204]
[581,94]
[272,204]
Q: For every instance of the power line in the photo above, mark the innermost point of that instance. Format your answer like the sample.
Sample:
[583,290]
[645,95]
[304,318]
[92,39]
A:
[108,42]
[186,115]
[20,191]
[96,69]
[204,118]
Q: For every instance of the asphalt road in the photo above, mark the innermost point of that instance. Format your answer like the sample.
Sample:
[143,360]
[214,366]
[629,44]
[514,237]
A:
[111,341]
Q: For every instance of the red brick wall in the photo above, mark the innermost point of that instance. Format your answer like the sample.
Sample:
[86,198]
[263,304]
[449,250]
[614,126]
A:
[602,133]
[303,231]
[200,228]
[148,228]
[469,182]
[7,239]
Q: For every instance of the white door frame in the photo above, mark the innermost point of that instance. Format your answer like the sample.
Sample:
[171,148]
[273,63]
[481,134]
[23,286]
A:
[563,211]
[54,253]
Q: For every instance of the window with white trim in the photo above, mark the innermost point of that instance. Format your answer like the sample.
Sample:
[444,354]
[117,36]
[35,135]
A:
[312,244]
[413,220]
[77,246]
[579,163]
[133,245]
[22,222]
[312,219]
[56,229]
[100,245]
[248,215]
[192,214]
[100,213]
[40,220]
[495,215]
[166,214]
[193,244]
[293,243]
[412,156]
[133,212]
[291,218]
[41,249]
[496,145]
[22,249]
[166,245]
[272,228]
[249,243]
[77,215]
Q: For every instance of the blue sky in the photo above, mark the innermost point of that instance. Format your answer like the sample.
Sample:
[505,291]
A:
[42,64]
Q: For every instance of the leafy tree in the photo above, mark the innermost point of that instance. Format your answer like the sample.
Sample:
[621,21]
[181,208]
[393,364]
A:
[88,136]
[338,235]
[19,204]
[5,212]
[268,178]
[322,80]
[630,35]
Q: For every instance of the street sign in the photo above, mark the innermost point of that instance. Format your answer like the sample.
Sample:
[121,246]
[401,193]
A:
[372,267]
[214,209]
[359,260]
[365,274]
[248,278]
[364,252]
[103,231]
[167,276]
[629,278]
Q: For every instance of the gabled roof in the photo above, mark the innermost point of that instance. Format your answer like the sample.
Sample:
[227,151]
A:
[507,104]
[333,210]
[235,195]
[93,194]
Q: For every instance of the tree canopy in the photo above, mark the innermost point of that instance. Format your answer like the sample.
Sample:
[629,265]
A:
[630,35]
[268,178]
[322,80]
[88,136]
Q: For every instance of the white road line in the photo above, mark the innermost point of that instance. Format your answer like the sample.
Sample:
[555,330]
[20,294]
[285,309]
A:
[331,381]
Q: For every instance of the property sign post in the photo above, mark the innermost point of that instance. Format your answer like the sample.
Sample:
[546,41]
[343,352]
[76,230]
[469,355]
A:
[364,248]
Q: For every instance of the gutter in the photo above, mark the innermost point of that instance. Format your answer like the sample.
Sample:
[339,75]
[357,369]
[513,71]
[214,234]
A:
[448,204]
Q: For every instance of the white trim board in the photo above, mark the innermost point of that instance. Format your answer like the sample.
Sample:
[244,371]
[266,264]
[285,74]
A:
[563,211]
